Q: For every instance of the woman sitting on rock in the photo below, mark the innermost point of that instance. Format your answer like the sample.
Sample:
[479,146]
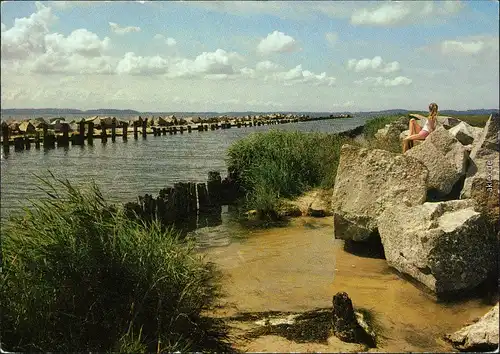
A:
[418,133]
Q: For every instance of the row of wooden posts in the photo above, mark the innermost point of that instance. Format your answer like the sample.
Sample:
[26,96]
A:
[182,203]
[86,132]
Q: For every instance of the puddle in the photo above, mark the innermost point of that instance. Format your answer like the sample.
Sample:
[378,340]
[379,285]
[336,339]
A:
[300,267]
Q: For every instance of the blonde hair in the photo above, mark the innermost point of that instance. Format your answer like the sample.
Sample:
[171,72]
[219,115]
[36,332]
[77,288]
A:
[433,110]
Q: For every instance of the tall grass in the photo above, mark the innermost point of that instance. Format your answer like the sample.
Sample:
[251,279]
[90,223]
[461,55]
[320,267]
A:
[279,164]
[77,275]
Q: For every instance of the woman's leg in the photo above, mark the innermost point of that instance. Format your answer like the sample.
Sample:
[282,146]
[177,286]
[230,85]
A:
[414,127]
[408,141]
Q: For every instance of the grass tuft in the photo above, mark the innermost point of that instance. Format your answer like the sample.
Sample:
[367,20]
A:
[77,275]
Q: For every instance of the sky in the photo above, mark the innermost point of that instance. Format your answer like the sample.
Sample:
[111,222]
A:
[323,56]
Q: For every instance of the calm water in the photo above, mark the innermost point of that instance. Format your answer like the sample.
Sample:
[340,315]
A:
[125,170]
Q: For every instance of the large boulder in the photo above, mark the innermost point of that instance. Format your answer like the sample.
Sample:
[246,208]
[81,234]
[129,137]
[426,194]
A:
[481,336]
[445,158]
[465,133]
[367,183]
[484,167]
[446,246]
[394,129]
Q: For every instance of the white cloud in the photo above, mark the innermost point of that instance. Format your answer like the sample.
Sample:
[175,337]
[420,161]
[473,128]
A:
[267,65]
[27,35]
[168,41]
[277,42]
[218,62]
[403,12]
[469,46]
[248,72]
[376,63]
[332,37]
[386,14]
[71,63]
[391,67]
[116,28]
[364,64]
[380,81]
[298,75]
[138,65]
[80,41]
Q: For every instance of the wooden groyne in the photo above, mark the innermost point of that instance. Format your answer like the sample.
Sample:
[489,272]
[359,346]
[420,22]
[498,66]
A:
[187,205]
[61,134]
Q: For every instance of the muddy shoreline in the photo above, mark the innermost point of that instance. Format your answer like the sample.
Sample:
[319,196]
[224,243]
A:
[297,269]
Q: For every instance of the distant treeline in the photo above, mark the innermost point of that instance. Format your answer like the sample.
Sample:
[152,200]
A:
[121,112]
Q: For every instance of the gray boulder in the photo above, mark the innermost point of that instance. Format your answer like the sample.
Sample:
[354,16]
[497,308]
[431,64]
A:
[465,133]
[446,246]
[367,183]
[480,336]
[484,167]
[394,129]
[445,158]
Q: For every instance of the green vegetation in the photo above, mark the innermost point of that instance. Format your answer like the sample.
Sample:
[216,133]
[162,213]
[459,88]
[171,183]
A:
[390,143]
[279,164]
[79,276]
[373,125]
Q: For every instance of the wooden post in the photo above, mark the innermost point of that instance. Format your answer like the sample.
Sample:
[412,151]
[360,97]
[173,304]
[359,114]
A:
[189,129]
[104,135]
[214,187]
[201,189]
[5,136]
[64,140]
[174,129]
[125,131]
[200,127]
[205,127]
[27,142]
[144,127]
[90,134]
[45,129]
[136,125]
[37,140]
[164,130]
[181,128]
[154,131]
[81,132]
[113,129]
[19,144]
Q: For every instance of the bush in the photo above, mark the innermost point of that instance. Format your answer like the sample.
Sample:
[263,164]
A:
[280,164]
[373,125]
[78,276]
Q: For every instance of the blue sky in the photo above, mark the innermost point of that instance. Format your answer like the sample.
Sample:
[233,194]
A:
[310,56]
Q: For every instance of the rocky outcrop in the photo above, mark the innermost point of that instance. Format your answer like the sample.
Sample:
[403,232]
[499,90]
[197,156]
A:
[348,325]
[445,158]
[465,133]
[446,245]
[484,156]
[370,181]
[480,336]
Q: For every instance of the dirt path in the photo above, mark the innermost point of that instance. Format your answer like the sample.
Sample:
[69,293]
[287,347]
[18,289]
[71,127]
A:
[300,267]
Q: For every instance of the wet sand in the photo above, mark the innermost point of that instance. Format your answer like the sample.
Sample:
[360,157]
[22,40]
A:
[300,267]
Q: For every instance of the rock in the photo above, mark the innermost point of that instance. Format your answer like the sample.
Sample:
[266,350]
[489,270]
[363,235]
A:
[289,209]
[445,158]
[368,182]
[481,336]
[484,167]
[345,322]
[463,133]
[394,129]
[446,246]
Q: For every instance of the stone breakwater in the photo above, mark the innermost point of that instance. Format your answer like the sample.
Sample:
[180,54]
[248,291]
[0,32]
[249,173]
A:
[434,209]
[48,133]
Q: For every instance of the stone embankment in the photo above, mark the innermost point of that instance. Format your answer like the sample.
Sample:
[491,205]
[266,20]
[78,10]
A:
[435,209]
